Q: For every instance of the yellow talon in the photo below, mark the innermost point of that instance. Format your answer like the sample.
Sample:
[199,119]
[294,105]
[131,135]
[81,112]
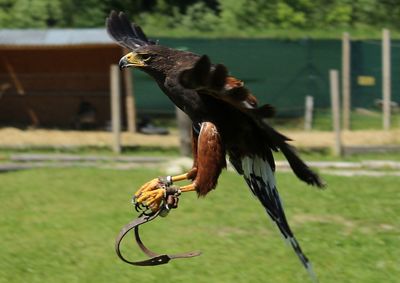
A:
[153,193]
[151,185]
[151,199]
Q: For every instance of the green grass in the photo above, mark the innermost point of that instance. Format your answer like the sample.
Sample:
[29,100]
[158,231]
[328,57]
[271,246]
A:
[359,121]
[323,121]
[58,225]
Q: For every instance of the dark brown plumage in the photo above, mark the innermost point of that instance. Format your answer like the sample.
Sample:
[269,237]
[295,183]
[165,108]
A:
[226,120]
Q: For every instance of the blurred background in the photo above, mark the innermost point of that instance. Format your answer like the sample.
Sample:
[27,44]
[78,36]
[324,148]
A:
[78,138]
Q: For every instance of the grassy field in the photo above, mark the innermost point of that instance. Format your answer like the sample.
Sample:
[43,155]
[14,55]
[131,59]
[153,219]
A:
[367,120]
[58,225]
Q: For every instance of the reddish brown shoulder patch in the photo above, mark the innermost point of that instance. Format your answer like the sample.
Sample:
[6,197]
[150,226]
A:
[232,82]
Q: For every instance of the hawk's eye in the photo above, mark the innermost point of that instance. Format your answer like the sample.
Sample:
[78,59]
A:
[145,57]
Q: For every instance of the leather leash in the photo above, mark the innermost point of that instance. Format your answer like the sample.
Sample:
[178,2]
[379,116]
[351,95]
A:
[154,258]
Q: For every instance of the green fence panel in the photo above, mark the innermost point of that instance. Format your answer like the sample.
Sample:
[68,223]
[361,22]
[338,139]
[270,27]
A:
[282,72]
[367,72]
[365,63]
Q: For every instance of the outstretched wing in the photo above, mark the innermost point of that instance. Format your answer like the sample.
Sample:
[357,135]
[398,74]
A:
[208,79]
[125,33]
[214,80]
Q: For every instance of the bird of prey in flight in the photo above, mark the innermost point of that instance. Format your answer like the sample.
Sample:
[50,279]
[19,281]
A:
[227,121]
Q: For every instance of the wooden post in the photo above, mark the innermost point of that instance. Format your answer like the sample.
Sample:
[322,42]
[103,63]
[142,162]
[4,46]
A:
[185,132]
[334,88]
[386,79]
[115,108]
[308,115]
[130,101]
[21,91]
[346,82]
[17,83]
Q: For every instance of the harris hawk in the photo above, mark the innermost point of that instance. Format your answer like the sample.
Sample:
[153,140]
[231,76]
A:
[227,121]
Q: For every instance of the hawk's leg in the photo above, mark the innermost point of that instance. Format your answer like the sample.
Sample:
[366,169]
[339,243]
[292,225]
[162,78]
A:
[209,160]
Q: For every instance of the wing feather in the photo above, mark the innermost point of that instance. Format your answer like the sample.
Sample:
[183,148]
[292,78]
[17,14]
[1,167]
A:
[127,35]
[213,80]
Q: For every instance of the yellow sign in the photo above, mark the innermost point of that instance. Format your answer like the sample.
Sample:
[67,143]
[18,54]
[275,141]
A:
[366,80]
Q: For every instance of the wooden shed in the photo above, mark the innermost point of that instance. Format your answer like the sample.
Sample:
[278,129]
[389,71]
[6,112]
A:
[56,78]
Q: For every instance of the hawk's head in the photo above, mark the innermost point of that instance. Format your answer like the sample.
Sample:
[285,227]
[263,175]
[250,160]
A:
[145,54]
[151,58]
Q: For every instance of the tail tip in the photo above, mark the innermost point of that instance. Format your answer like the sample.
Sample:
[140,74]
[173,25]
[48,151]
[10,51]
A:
[311,272]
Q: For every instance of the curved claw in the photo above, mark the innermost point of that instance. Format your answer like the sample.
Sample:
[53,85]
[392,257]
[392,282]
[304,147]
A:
[140,207]
[136,204]
[151,201]
[144,207]
[137,207]
[148,213]
[151,196]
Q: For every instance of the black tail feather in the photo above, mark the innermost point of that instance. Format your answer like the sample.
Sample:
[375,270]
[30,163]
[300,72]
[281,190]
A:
[260,179]
[302,171]
[275,141]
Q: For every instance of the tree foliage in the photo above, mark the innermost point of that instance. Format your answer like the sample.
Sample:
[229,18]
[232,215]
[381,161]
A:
[216,16]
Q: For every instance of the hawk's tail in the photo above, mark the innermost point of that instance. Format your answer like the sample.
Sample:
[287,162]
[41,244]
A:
[260,178]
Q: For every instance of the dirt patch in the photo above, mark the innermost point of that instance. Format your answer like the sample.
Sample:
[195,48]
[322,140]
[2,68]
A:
[349,226]
[12,137]
[337,219]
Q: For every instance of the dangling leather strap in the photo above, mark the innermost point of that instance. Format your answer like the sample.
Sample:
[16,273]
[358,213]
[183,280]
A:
[155,258]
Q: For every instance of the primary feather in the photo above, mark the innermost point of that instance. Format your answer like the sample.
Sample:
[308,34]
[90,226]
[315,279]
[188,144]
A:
[124,33]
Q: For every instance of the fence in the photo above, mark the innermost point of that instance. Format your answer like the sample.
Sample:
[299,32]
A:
[284,72]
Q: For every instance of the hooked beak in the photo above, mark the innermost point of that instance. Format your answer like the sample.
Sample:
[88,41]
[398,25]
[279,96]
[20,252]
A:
[130,60]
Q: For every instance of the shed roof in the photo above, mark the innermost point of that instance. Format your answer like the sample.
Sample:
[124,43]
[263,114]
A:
[54,37]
